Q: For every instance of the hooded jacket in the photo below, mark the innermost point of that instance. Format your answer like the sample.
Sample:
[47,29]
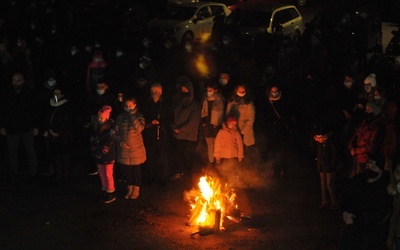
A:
[228,144]
[186,114]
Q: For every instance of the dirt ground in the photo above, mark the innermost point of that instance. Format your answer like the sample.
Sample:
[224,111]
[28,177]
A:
[286,215]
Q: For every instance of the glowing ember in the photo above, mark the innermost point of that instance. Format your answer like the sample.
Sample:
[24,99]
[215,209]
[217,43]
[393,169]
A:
[210,203]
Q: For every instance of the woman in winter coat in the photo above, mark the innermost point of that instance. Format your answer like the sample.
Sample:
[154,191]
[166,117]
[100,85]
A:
[241,105]
[393,241]
[212,114]
[131,152]
[104,151]
[58,132]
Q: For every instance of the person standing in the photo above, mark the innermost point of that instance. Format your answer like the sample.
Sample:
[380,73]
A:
[19,123]
[326,165]
[103,144]
[212,114]
[241,105]
[156,135]
[368,139]
[131,152]
[186,113]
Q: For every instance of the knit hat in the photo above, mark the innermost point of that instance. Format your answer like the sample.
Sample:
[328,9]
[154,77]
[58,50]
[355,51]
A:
[371,79]
[378,161]
[374,107]
[105,111]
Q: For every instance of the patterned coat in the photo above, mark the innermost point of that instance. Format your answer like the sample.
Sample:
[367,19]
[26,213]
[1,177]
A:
[130,146]
[246,113]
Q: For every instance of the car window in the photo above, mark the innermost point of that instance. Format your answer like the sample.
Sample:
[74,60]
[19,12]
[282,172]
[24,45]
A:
[254,19]
[179,13]
[279,18]
[204,12]
[293,14]
[217,10]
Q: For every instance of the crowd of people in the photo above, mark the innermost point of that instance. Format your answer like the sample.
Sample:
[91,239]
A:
[158,111]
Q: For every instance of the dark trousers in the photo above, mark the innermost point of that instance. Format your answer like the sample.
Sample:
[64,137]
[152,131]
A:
[133,174]
[28,142]
[184,156]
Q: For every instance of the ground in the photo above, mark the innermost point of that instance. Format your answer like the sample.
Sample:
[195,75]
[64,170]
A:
[277,215]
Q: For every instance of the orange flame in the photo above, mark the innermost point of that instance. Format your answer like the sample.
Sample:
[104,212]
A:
[210,197]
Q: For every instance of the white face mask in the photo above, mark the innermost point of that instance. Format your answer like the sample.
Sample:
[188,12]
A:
[51,83]
[73,52]
[98,59]
[348,84]
[142,65]
[377,97]
[129,110]
[223,81]
[100,91]
[188,48]
[367,88]
[226,41]
[240,94]
[119,54]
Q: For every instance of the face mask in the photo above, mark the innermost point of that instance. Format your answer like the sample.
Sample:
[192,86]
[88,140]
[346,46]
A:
[88,48]
[53,31]
[142,65]
[240,94]
[371,174]
[168,45]
[185,94]
[130,110]
[51,83]
[348,84]
[73,52]
[146,44]
[226,41]
[100,91]
[377,97]
[97,59]
[19,44]
[17,87]
[119,54]
[223,81]
[188,48]
[274,94]
[209,94]
[367,88]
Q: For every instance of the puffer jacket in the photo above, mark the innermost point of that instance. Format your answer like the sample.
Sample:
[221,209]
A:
[103,143]
[228,144]
[130,146]
[246,113]
[368,139]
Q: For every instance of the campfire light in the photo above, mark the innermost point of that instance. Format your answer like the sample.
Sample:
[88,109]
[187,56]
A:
[209,204]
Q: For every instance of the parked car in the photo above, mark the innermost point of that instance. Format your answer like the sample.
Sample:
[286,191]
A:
[357,26]
[252,19]
[188,21]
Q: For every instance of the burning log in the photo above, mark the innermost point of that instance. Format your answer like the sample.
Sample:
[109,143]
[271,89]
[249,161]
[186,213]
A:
[209,205]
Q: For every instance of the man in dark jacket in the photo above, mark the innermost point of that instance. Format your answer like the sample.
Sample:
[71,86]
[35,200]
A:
[19,123]
[186,114]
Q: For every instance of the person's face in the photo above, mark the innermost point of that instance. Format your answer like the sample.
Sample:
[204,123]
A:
[321,138]
[241,91]
[101,119]
[130,105]
[369,110]
[184,89]
[232,125]
[101,86]
[17,80]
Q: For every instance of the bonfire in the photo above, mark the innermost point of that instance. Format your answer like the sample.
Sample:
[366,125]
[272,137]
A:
[210,203]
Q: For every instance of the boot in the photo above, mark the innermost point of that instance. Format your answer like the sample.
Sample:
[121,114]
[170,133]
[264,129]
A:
[130,190]
[135,192]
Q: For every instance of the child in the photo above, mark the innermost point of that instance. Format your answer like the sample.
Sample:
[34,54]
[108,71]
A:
[104,151]
[228,144]
[326,165]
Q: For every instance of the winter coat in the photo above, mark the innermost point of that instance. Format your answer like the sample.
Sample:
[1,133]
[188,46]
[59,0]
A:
[103,143]
[326,153]
[19,110]
[186,115]
[58,118]
[228,144]
[394,226]
[246,116]
[212,116]
[368,139]
[130,146]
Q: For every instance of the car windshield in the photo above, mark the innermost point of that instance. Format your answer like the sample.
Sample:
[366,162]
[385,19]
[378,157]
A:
[252,18]
[179,13]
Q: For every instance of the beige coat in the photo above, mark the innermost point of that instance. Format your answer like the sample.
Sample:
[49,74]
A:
[130,147]
[246,116]
[228,144]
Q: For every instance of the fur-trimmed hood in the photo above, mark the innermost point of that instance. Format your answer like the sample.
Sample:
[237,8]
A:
[394,185]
